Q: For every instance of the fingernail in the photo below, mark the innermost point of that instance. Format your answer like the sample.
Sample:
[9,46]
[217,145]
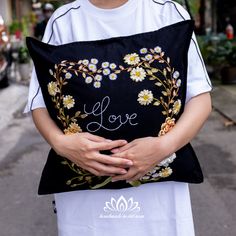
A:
[130,163]
[123,172]
[108,140]
[114,180]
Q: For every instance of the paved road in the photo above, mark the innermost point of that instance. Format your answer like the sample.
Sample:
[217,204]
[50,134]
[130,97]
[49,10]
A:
[23,154]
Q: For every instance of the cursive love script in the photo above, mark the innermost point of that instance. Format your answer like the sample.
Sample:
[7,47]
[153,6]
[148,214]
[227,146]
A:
[113,122]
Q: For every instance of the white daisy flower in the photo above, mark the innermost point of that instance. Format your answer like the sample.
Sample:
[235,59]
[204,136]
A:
[176,75]
[97,84]
[105,64]
[88,80]
[113,66]
[132,59]
[53,89]
[92,67]
[178,83]
[148,57]
[138,74]
[145,97]
[98,78]
[113,76]
[85,62]
[157,49]
[177,106]
[94,61]
[143,50]
[68,101]
[106,71]
[68,75]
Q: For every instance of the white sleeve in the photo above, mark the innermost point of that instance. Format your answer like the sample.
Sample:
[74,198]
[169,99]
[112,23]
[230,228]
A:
[35,97]
[198,80]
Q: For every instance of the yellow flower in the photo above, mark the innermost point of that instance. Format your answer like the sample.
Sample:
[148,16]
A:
[177,106]
[138,74]
[145,97]
[72,129]
[165,172]
[68,101]
[167,126]
[132,59]
[53,89]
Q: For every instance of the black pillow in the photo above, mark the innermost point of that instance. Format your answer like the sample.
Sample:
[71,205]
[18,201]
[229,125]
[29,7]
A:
[118,88]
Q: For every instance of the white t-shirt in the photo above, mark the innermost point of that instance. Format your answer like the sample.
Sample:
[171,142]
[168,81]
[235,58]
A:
[165,207]
[82,21]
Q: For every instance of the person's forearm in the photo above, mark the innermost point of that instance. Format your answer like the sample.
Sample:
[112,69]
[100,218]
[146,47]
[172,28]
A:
[195,114]
[45,125]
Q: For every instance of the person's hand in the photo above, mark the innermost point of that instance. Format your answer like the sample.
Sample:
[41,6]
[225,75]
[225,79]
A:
[145,153]
[83,150]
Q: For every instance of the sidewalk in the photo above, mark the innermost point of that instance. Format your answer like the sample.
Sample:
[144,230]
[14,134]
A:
[224,101]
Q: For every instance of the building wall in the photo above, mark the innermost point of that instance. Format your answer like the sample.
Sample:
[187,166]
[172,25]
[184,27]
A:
[5,10]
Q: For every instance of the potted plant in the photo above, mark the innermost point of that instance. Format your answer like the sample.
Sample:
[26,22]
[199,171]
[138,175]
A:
[228,72]
[24,63]
[221,54]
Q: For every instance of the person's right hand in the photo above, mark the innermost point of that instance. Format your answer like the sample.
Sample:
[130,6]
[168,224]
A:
[83,149]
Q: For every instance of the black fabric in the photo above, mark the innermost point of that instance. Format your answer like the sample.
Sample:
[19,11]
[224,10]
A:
[118,88]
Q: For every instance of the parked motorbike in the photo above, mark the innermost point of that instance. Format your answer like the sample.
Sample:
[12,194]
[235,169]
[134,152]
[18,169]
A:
[4,54]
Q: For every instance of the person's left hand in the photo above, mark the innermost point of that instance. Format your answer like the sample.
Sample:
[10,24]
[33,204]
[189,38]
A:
[145,153]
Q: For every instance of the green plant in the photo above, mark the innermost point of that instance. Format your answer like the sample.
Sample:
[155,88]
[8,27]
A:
[218,51]
[23,55]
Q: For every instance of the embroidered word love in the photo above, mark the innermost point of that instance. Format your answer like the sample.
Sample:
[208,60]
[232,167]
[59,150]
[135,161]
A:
[114,121]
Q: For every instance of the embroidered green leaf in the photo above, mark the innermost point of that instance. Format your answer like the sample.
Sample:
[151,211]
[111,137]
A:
[159,84]
[84,75]
[154,70]
[146,64]
[135,183]
[164,93]
[149,72]
[164,112]
[164,72]
[83,116]
[152,78]
[102,184]
[157,103]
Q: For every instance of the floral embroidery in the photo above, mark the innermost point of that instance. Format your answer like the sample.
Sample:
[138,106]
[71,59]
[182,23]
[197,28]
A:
[145,97]
[53,88]
[140,66]
[132,59]
[68,101]
[137,74]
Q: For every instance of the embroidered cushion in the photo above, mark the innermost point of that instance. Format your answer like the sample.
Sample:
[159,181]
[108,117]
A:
[118,88]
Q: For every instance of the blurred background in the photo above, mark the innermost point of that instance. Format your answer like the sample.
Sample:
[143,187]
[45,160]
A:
[23,152]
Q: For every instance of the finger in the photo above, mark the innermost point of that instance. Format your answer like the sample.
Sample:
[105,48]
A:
[121,155]
[98,173]
[136,177]
[105,159]
[130,174]
[107,169]
[95,138]
[109,145]
[123,148]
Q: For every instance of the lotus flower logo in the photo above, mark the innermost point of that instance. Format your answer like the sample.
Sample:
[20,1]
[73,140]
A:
[121,208]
